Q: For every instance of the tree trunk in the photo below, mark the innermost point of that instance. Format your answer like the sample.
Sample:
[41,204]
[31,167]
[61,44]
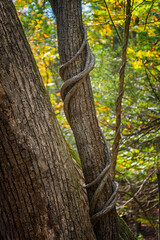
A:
[81,113]
[124,230]
[40,194]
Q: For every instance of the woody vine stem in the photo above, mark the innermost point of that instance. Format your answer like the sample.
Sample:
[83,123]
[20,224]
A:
[73,84]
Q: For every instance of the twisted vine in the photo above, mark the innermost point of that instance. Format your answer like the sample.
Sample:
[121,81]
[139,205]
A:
[76,80]
[73,84]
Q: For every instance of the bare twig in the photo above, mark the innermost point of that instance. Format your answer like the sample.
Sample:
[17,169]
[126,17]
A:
[139,5]
[148,78]
[142,185]
[120,39]
[152,73]
[150,125]
[134,197]
[148,14]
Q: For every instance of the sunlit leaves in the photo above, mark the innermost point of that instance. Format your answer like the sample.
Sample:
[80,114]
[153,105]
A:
[41,33]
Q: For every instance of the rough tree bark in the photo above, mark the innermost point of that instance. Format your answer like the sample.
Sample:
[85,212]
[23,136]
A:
[81,111]
[40,195]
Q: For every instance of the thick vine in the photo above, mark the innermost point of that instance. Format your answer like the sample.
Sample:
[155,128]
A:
[73,84]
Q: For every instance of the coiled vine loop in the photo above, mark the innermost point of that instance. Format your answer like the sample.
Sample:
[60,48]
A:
[73,84]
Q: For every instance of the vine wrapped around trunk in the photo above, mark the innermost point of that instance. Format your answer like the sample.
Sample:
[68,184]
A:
[76,58]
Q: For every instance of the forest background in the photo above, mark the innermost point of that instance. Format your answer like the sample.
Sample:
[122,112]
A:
[137,161]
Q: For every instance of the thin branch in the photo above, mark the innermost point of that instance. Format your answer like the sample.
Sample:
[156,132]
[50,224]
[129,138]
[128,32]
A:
[148,78]
[120,39]
[139,5]
[148,15]
[136,142]
[134,197]
[145,213]
[142,185]
[150,125]
[152,73]
[117,138]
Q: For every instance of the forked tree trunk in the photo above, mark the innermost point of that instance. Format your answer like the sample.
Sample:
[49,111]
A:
[81,110]
[40,195]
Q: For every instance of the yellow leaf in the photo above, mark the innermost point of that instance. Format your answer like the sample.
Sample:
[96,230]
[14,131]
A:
[58,94]
[121,166]
[45,35]
[39,15]
[60,103]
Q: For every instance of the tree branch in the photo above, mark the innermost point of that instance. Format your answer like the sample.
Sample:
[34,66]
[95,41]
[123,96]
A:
[117,138]
[153,89]
[120,39]
[148,15]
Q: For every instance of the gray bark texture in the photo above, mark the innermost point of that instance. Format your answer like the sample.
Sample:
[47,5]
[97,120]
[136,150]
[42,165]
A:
[40,194]
[81,111]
